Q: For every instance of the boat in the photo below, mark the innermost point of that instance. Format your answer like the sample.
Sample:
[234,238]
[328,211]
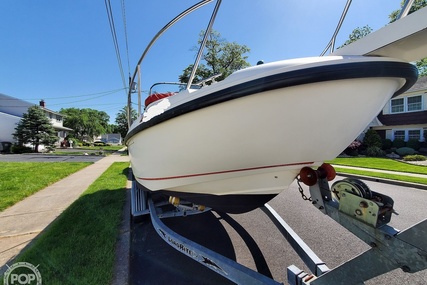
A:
[235,144]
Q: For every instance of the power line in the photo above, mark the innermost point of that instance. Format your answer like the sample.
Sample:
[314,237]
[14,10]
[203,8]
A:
[66,97]
[126,33]
[84,100]
[86,95]
[70,102]
[114,37]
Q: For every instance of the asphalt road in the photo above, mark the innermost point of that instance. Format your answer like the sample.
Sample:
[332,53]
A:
[253,240]
[49,158]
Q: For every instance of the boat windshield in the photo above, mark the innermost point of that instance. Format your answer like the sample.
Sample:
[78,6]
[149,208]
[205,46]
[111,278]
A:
[170,87]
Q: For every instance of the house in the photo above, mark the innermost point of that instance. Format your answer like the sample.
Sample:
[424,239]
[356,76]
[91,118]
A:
[405,116]
[12,110]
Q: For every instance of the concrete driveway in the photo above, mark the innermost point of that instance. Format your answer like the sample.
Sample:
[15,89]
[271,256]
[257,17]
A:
[92,156]
[49,158]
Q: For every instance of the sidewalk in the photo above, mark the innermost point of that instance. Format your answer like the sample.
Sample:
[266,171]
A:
[22,222]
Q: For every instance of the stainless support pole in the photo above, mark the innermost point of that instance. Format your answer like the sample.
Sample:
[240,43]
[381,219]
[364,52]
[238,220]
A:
[203,44]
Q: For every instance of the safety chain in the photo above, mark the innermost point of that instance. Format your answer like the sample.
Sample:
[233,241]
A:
[301,190]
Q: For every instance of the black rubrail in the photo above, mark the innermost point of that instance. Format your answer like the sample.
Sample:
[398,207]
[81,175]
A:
[316,74]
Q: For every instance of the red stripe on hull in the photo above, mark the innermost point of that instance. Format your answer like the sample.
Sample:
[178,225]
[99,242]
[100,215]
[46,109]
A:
[222,172]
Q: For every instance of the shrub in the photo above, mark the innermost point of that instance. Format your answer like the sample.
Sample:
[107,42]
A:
[374,151]
[355,144]
[21,149]
[101,144]
[75,141]
[387,144]
[415,157]
[352,149]
[405,151]
[413,143]
[398,143]
[50,148]
[351,152]
[372,139]
[393,155]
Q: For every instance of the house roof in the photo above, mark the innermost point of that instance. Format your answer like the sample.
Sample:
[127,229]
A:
[17,107]
[421,84]
[13,106]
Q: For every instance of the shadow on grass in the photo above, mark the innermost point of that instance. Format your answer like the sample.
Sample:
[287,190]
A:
[79,246]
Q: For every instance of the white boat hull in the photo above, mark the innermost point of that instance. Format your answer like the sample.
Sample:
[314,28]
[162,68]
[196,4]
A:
[256,144]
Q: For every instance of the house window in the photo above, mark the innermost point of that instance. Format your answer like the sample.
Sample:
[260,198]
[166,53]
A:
[407,104]
[414,103]
[408,134]
[397,105]
[414,134]
[399,135]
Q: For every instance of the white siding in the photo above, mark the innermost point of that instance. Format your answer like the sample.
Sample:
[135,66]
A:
[7,126]
[387,107]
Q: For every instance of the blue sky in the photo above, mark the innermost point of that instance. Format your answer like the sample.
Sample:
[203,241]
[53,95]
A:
[62,51]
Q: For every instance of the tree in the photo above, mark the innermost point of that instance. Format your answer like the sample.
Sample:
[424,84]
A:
[122,121]
[418,4]
[35,129]
[219,57]
[422,67]
[86,123]
[372,139]
[357,34]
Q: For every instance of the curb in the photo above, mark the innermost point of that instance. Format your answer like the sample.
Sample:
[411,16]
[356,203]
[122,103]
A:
[385,181]
[122,248]
[122,259]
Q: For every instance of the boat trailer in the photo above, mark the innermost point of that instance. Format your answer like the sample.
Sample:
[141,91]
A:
[349,202]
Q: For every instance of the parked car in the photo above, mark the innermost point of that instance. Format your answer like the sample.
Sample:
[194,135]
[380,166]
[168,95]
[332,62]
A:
[114,140]
[100,143]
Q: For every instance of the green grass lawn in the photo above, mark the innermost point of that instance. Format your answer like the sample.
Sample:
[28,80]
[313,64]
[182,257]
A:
[89,149]
[106,148]
[22,179]
[381,163]
[79,246]
[397,177]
